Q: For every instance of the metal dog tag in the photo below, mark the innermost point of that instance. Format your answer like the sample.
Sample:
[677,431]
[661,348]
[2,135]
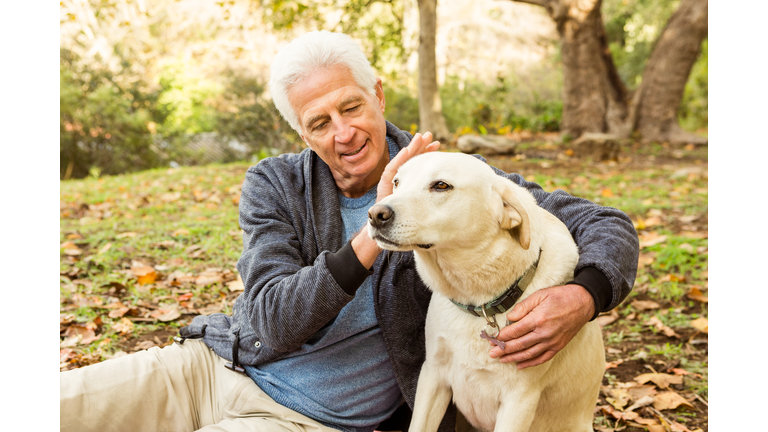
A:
[498,343]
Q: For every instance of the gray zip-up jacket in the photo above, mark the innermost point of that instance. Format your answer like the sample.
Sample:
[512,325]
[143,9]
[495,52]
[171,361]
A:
[298,275]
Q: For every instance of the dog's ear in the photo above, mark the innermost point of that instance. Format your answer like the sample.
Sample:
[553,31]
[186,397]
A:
[514,214]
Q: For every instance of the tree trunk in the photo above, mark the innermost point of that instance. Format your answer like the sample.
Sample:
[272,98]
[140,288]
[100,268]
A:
[658,98]
[430,105]
[595,98]
[594,95]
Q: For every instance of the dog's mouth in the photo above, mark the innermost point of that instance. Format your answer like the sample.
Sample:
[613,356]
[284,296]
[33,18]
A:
[386,241]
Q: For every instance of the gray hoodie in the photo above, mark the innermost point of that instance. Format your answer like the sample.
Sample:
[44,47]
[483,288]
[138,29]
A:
[298,275]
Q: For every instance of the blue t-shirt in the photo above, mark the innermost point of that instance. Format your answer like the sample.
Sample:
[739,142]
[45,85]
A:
[342,376]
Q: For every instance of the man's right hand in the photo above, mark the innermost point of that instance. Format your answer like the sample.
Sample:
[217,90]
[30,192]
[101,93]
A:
[366,248]
[419,145]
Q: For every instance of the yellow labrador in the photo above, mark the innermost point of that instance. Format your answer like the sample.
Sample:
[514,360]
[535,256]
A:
[482,244]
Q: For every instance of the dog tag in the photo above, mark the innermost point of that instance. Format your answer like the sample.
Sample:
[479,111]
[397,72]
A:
[498,343]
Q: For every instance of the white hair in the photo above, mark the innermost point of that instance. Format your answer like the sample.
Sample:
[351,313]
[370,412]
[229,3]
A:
[314,51]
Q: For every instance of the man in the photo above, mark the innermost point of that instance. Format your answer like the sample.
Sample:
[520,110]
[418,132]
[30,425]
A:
[329,332]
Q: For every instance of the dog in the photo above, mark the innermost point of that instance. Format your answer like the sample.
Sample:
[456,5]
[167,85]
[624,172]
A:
[477,236]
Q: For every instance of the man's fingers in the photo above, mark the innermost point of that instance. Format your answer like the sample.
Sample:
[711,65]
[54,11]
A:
[516,330]
[516,345]
[529,354]
[524,307]
[544,357]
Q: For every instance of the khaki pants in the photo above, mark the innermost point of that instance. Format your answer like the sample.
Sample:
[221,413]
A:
[176,388]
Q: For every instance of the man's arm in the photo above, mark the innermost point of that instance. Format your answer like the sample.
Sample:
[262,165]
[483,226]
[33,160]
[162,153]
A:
[547,320]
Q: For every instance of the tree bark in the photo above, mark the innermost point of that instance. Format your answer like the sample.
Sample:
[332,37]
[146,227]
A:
[595,98]
[659,96]
[430,106]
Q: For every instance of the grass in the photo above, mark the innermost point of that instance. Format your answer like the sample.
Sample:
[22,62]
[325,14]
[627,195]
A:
[183,223]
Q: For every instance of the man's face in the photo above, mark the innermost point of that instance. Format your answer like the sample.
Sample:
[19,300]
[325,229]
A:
[344,125]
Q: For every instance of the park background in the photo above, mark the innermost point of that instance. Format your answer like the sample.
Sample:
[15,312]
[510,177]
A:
[631,146]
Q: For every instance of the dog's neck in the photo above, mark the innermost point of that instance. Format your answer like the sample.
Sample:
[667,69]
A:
[451,273]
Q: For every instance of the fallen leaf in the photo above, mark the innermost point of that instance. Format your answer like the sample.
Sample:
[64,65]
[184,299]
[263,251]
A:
[124,326]
[662,380]
[184,297]
[651,239]
[180,232]
[646,259]
[640,391]
[209,277]
[607,318]
[672,278]
[669,400]
[126,234]
[653,221]
[145,345]
[701,324]
[645,305]
[211,309]
[619,398]
[145,274]
[166,315]
[679,371]
[606,193]
[688,218]
[613,364]
[656,322]
[236,285]
[686,247]
[695,234]
[641,402]
[74,236]
[696,294]
[655,428]
[105,248]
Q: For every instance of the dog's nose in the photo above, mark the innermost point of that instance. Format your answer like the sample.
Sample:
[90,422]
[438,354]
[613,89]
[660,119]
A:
[380,215]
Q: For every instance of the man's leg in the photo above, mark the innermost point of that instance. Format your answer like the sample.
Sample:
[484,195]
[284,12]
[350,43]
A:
[248,408]
[179,388]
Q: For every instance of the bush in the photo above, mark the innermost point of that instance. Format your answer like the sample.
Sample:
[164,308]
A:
[104,123]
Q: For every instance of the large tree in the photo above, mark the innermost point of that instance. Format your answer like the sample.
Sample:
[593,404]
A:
[596,99]
[430,106]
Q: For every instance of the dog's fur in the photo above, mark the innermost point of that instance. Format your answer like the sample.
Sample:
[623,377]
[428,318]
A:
[471,241]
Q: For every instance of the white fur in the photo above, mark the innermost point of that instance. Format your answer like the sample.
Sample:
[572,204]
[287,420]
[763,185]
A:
[475,230]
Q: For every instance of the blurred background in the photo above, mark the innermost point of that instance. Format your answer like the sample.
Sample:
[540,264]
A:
[159,83]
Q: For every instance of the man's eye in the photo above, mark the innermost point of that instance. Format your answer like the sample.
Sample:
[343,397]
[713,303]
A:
[319,126]
[441,186]
[353,108]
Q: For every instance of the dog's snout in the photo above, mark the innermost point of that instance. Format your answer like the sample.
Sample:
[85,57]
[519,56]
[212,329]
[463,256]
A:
[380,215]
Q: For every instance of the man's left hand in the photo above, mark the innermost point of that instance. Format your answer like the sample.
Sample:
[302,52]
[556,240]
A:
[543,324]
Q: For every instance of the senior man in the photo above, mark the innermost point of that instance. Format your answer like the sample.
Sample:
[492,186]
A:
[329,332]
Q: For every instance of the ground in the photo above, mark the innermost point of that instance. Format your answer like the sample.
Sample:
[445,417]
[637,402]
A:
[142,254]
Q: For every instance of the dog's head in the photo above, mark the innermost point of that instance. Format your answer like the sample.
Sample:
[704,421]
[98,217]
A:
[449,200]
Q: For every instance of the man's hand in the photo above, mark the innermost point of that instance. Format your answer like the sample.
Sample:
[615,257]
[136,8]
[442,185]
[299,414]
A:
[365,248]
[419,145]
[544,324]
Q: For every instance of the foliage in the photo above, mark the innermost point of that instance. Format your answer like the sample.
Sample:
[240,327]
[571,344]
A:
[632,27]
[246,116]
[103,121]
[377,23]
[693,112]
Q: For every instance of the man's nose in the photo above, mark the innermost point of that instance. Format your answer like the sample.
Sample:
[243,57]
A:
[380,215]
[344,131]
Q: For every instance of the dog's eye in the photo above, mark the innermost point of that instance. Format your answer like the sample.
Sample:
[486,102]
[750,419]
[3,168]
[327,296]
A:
[395,182]
[441,186]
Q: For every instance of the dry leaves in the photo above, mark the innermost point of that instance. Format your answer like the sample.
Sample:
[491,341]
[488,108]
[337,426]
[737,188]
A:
[701,324]
[651,239]
[661,380]
[656,323]
[695,294]
[645,305]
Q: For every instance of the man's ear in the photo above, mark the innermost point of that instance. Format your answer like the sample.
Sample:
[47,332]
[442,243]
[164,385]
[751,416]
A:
[305,141]
[379,89]
[513,214]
